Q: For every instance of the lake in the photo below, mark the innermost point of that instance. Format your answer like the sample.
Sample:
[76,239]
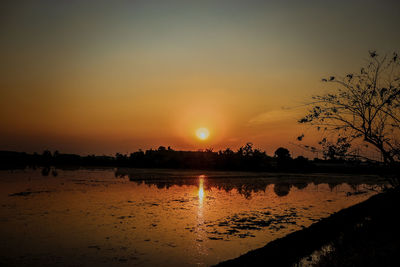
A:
[103,217]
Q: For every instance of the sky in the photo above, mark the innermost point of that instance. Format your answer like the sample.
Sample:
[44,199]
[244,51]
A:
[115,76]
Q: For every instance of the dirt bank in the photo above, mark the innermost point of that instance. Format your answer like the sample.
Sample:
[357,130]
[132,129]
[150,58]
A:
[366,234]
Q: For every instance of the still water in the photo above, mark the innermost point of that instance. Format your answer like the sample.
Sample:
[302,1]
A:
[131,217]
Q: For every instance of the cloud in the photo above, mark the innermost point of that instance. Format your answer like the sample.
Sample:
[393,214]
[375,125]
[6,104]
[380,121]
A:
[273,116]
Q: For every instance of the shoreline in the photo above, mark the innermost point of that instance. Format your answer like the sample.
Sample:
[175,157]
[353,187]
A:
[367,217]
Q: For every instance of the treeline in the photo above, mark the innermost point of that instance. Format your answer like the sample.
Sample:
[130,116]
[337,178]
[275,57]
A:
[246,158]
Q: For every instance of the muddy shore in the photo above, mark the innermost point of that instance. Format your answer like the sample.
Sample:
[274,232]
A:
[366,234]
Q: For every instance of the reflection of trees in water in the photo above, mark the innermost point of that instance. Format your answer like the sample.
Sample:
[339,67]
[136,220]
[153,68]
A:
[47,170]
[282,189]
[354,186]
[300,186]
[332,185]
[245,186]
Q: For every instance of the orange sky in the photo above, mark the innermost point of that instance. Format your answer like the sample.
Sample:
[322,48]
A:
[103,78]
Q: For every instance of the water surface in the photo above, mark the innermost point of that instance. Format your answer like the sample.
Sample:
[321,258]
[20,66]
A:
[156,217]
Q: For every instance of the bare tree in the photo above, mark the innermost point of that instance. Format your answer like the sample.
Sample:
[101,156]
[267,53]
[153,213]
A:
[365,107]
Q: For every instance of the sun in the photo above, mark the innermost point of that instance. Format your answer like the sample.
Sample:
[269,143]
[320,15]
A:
[202,133]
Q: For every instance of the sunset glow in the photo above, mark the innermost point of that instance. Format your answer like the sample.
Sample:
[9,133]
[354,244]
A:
[136,74]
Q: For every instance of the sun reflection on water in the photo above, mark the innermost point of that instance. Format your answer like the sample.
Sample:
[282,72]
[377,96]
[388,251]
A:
[200,229]
[201,189]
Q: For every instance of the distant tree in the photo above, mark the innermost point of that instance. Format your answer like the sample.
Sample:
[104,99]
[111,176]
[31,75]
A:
[282,154]
[365,108]
[46,154]
[47,157]
[248,149]
[227,151]
[121,157]
[301,158]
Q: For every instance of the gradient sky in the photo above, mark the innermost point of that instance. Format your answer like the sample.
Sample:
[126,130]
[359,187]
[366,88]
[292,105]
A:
[107,76]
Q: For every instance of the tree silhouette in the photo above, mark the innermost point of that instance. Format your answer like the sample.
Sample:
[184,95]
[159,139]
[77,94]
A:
[365,107]
[282,154]
[335,151]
